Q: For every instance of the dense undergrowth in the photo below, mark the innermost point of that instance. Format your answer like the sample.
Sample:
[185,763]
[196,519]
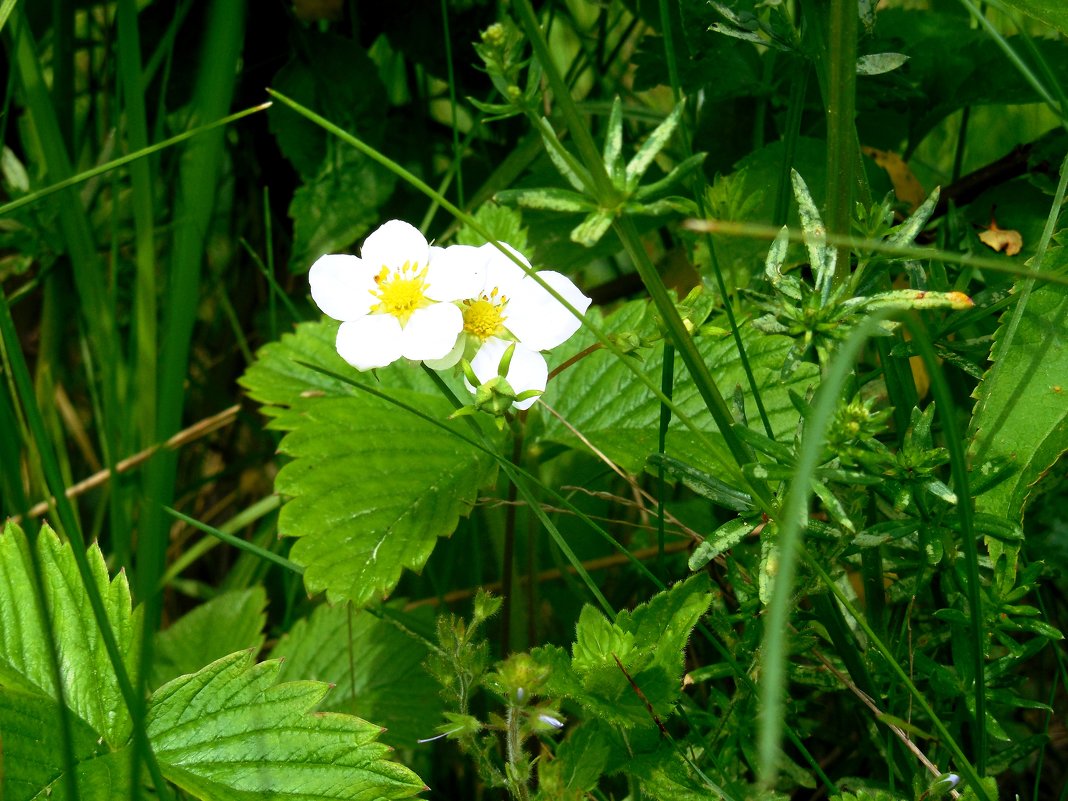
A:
[788,519]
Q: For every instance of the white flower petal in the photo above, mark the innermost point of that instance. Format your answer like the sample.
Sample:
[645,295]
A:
[371,341]
[539,320]
[393,244]
[501,272]
[341,286]
[451,358]
[527,369]
[455,273]
[431,333]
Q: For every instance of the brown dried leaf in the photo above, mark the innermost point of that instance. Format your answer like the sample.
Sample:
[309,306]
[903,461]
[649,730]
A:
[1001,239]
[906,186]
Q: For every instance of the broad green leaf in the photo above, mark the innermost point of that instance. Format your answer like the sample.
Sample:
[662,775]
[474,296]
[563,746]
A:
[375,666]
[648,642]
[372,486]
[32,767]
[580,761]
[1021,412]
[337,207]
[313,80]
[228,622]
[231,732]
[90,688]
[1052,12]
[626,428]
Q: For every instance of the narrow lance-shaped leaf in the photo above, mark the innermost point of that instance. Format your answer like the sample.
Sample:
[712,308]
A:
[613,141]
[907,232]
[822,257]
[656,142]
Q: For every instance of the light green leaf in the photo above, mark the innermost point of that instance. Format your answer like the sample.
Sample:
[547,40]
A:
[580,760]
[878,63]
[656,142]
[589,231]
[503,223]
[90,688]
[906,233]
[613,140]
[821,256]
[1021,413]
[550,199]
[375,666]
[1051,12]
[648,642]
[228,622]
[626,429]
[722,539]
[32,744]
[554,147]
[372,486]
[231,732]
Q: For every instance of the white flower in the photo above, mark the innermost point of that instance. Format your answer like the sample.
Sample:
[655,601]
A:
[391,300]
[502,304]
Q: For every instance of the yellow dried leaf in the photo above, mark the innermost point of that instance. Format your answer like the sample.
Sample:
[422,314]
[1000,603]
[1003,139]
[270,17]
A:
[906,186]
[1002,239]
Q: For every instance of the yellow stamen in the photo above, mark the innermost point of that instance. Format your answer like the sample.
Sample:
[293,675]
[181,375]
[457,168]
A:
[401,291]
[484,316]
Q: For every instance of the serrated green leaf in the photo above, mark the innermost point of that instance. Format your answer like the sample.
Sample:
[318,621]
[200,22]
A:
[372,487]
[1021,412]
[90,688]
[503,224]
[311,80]
[32,743]
[648,642]
[228,622]
[337,207]
[376,669]
[231,731]
[582,758]
[627,428]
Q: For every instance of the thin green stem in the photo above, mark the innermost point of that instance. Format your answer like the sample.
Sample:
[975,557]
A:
[792,520]
[841,129]
[965,513]
[457,153]
[963,764]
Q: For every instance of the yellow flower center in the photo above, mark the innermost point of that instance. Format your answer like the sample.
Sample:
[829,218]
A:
[484,316]
[400,292]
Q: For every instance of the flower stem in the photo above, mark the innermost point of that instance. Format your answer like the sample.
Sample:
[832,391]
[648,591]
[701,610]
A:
[508,556]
